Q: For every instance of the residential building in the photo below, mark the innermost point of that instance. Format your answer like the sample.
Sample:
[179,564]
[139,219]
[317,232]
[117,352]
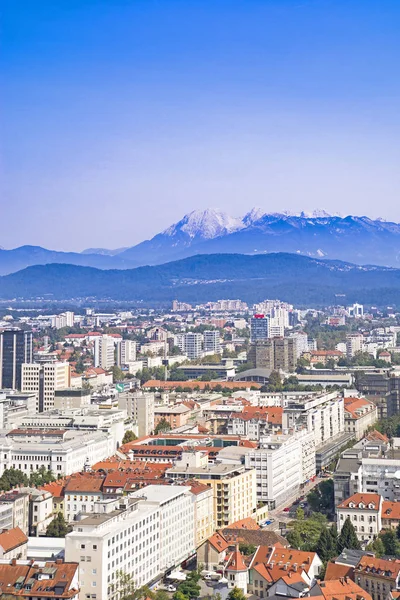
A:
[15,350]
[323,414]
[13,406]
[192,345]
[121,535]
[364,512]
[6,516]
[126,352]
[390,514]
[18,503]
[65,319]
[13,544]
[354,344]
[378,577]
[82,492]
[104,352]
[356,311]
[139,407]
[39,580]
[212,341]
[40,510]
[71,398]
[342,588]
[175,506]
[203,498]
[44,379]
[255,421]
[236,571]
[359,416]
[285,354]
[282,463]
[176,416]
[234,486]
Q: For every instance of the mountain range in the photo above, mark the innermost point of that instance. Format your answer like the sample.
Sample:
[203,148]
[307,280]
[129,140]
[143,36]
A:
[290,277]
[355,239]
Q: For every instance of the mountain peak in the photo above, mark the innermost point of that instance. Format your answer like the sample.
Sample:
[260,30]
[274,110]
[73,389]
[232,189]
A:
[253,215]
[205,224]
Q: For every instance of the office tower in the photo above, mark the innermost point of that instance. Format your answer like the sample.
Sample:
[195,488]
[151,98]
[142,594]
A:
[44,379]
[15,350]
[212,341]
[139,407]
[193,344]
[104,352]
[285,354]
[259,328]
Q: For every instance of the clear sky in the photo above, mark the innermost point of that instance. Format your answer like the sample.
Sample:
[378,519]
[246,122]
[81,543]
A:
[120,116]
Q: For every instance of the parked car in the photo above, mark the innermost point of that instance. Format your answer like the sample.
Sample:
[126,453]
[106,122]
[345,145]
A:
[287,509]
[171,588]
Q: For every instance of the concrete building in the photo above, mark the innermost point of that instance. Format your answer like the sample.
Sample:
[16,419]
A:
[176,416]
[359,416]
[175,507]
[44,379]
[106,347]
[14,406]
[323,414]
[354,344]
[234,486]
[126,352]
[282,464]
[18,503]
[71,398]
[62,452]
[212,341]
[192,345]
[13,544]
[277,354]
[139,407]
[364,512]
[121,535]
[15,349]
[203,511]
[379,577]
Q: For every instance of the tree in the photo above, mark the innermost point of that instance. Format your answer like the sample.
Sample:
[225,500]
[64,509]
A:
[236,594]
[305,534]
[300,514]
[163,425]
[321,498]
[125,586]
[390,543]
[11,478]
[58,527]
[326,547]
[41,477]
[348,537]
[247,549]
[275,381]
[117,373]
[398,531]
[376,547]
[129,437]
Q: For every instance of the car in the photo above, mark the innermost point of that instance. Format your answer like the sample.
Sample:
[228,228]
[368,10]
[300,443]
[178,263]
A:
[287,509]
[171,588]
[208,577]
[303,504]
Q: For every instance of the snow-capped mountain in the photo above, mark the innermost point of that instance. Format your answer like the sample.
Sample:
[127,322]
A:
[205,224]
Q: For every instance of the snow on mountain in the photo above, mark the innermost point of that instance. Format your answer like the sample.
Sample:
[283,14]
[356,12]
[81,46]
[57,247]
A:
[206,224]
[253,215]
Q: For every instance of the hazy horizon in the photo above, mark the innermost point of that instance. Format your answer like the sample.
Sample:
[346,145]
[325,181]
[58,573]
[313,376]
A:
[120,117]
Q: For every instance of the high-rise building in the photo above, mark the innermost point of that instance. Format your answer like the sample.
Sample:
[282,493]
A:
[259,328]
[354,344]
[15,350]
[193,344]
[212,341]
[126,352]
[44,379]
[104,352]
[275,354]
[139,407]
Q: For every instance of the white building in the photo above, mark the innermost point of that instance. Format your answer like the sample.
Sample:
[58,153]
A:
[212,341]
[177,521]
[192,344]
[364,511]
[106,346]
[356,311]
[65,319]
[282,464]
[354,344]
[126,352]
[44,379]
[323,414]
[121,536]
[62,452]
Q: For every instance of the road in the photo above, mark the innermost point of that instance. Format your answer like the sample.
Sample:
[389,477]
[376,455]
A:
[279,515]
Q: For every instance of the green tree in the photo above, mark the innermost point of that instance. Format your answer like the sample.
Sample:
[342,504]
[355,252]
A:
[321,498]
[163,425]
[300,514]
[117,373]
[377,547]
[236,594]
[398,531]
[129,437]
[326,547]
[58,527]
[348,537]
[125,586]
[390,543]
[275,381]
[11,478]
[307,532]
[247,549]
[41,477]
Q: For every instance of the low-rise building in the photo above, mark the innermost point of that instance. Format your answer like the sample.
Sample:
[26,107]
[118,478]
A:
[359,416]
[13,544]
[39,579]
[203,498]
[378,577]
[18,502]
[364,512]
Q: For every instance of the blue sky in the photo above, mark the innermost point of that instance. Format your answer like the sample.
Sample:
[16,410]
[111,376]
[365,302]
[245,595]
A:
[117,117]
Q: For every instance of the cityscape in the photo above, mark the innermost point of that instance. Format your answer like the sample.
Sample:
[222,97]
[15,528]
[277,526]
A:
[200,300]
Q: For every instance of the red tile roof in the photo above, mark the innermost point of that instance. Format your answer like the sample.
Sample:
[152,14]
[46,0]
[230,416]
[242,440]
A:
[218,541]
[247,523]
[233,385]
[342,589]
[235,561]
[60,586]
[277,562]
[13,538]
[335,571]
[385,568]
[84,483]
[361,498]
[390,510]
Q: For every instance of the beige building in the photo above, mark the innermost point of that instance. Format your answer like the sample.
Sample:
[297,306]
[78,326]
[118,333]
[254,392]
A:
[203,510]
[71,398]
[364,512]
[44,379]
[359,415]
[19,502]
[139,407]
[234,486]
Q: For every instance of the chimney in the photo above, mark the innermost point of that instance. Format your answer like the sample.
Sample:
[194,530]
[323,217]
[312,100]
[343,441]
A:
[59,561]
[13,562]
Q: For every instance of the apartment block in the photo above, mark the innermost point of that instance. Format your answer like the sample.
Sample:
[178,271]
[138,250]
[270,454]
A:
[44,379]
